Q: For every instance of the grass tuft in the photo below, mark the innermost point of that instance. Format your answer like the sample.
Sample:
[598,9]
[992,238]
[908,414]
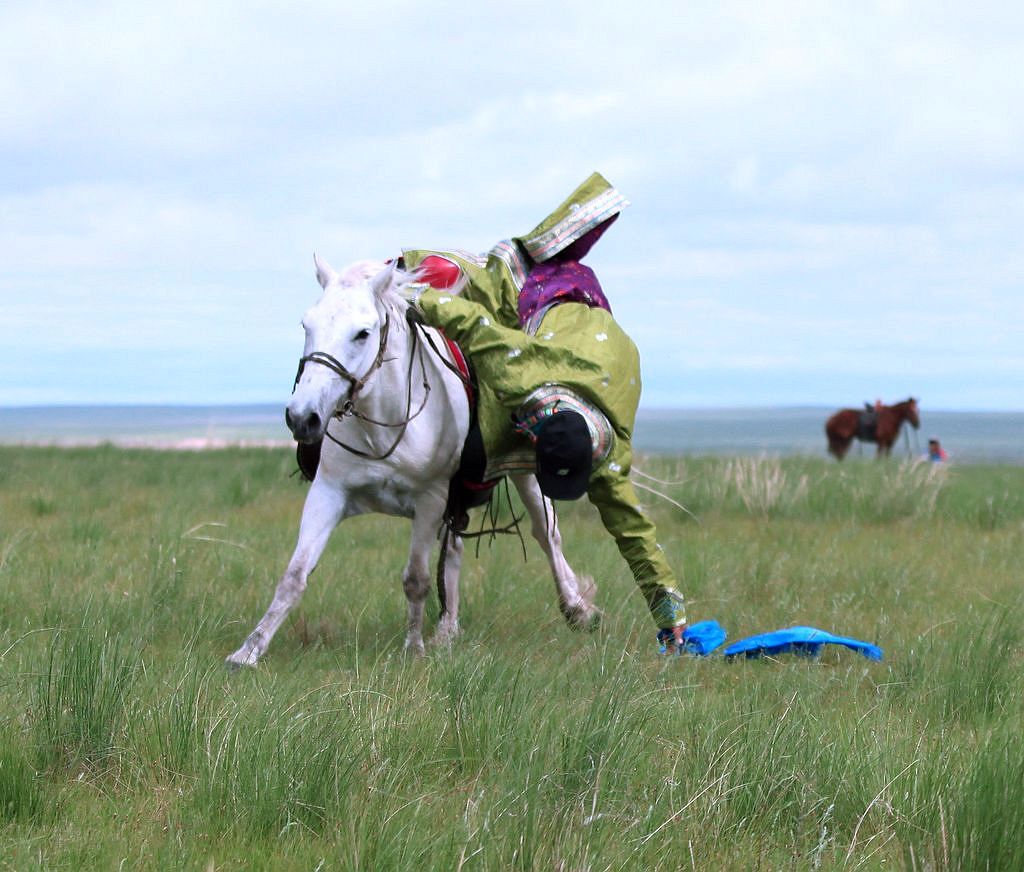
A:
[21,786]
[83,695]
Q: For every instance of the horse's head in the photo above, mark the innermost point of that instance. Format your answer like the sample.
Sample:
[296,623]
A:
[346,331]
[912,413]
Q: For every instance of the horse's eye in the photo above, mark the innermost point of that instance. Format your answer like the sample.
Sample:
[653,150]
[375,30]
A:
[362,335]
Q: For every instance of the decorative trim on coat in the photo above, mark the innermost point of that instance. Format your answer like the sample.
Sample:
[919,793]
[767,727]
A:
[581,220]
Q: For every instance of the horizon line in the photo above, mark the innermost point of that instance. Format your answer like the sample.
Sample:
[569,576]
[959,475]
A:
[701,407]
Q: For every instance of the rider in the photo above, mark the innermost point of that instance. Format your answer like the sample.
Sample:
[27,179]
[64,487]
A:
[559,380]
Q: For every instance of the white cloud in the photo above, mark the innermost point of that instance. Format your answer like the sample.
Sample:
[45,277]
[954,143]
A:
[808,180]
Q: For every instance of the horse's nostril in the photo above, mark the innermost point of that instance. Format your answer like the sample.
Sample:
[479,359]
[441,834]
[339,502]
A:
[303,425]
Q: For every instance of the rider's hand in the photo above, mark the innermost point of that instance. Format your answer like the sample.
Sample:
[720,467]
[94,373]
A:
[411,291]
[670,640]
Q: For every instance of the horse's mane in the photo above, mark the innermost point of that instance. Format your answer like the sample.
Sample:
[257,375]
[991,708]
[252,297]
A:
[384,279]
[387,279]
[360,271]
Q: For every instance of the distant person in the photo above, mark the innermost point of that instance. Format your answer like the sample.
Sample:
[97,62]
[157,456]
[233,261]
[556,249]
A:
[936,453]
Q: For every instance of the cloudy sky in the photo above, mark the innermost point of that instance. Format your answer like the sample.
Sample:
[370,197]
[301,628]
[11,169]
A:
[828,198]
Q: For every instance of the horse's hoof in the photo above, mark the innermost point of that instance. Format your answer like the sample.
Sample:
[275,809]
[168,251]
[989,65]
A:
[584,619]
[239,660]
[415,649]
[445,634]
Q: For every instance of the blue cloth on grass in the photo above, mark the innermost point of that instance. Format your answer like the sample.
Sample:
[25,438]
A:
[700,639]
[806,641]
[703,637]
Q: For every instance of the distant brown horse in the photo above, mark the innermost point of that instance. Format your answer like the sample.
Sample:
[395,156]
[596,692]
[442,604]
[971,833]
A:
[881,424]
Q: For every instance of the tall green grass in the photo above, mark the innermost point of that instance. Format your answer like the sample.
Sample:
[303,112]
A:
[812,490]
[127,576]
[83,695]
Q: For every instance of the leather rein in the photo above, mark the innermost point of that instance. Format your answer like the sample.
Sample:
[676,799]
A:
[348,408]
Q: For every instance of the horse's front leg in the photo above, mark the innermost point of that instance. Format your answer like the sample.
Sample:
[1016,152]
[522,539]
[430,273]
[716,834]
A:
[575,595]
[416,576]
[320,515]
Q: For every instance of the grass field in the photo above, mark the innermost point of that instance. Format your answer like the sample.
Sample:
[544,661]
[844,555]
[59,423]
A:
[127,576]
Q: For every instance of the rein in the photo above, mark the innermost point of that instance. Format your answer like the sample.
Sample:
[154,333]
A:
[449,531]
[905,425]
[906,435]
[466,381]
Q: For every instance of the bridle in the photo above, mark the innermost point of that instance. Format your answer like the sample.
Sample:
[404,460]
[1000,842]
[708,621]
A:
[348,408]
[332,363]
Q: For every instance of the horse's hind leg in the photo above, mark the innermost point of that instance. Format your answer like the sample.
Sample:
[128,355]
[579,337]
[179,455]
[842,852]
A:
[448,624]
[416,576]
[575,595]
[320,515]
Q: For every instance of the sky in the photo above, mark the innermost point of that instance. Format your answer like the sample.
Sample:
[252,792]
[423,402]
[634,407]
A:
[827,198]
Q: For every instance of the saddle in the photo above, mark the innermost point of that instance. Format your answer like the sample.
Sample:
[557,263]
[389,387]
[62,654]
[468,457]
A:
[867,425]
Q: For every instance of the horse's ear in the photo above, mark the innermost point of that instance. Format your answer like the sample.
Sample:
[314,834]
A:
[324,274]
[383,280]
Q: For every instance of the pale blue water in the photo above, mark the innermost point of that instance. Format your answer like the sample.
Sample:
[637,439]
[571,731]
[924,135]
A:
[969,437]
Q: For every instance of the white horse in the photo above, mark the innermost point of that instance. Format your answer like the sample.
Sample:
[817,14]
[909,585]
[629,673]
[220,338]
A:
[395,417]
